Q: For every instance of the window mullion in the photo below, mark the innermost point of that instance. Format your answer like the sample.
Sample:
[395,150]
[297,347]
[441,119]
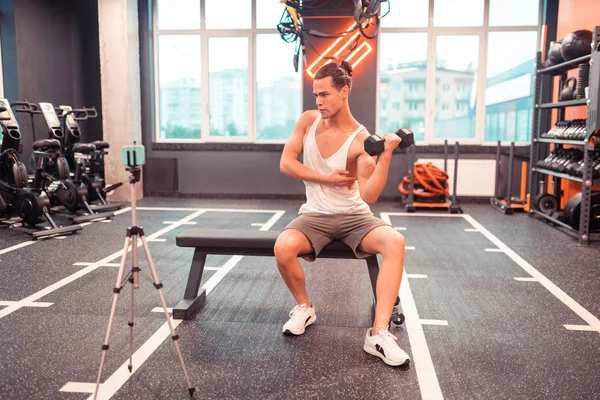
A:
[205,131]
[430,85]
[482,76]
[252,100]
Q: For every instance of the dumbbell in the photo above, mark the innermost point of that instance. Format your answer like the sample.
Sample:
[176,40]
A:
[375,145]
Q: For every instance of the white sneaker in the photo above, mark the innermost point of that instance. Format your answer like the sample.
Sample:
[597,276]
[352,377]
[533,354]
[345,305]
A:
[384,346]
[300,317]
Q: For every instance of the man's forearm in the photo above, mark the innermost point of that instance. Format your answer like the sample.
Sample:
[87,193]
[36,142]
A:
[296,169]
[376,183]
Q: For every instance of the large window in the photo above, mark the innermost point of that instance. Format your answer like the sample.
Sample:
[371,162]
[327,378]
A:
[509,85]
[453,72]
[278,88]
[455,77]
[179,87]
[402,66]
[222,76]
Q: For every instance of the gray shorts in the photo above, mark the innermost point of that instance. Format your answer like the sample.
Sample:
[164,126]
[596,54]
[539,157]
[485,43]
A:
[322,229]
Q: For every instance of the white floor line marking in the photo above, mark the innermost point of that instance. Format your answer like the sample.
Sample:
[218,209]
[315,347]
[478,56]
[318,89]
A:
[256,224]
[416,276]
[229,210]
[85,264]
[409,247]
[269,224]
[16,247]
[471,230]
[156,240]
[40,304]
[584,314]
[160,310]
[583,328]
[57,285]
[405,214]
[400,228]
[494,250]
[423,364]
[526,279]
[174,222]
[123,210]
[440,322]
[80,387]
[113,383]
[211,268]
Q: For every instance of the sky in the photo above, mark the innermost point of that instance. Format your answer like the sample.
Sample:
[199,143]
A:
[180,55]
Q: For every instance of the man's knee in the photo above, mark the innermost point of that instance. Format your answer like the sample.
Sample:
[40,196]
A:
[288,246]
[394,245]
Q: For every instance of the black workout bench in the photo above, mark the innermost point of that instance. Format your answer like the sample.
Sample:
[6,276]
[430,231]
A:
[247,243]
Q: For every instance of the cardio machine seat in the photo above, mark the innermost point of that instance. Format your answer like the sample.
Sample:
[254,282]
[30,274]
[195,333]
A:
[101,145]
[46,144]
[84,148]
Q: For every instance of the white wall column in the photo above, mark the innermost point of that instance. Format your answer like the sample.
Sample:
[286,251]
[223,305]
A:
[120,81]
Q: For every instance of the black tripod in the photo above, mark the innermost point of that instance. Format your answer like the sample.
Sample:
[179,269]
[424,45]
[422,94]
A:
[133,277]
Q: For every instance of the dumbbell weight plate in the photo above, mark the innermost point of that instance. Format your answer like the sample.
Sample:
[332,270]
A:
[547,204]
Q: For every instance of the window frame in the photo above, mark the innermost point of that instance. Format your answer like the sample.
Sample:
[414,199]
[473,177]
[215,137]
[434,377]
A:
[205,35]
[430,80]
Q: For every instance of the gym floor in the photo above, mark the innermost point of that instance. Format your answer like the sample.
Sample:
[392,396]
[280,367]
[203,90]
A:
[497,307]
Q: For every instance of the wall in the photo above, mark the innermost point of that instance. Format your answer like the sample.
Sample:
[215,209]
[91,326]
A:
[56,58]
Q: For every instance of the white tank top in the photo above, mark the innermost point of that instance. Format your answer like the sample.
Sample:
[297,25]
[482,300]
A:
[329,199]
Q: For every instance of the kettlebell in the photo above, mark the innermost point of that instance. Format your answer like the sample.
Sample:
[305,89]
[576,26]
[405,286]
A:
[568,92]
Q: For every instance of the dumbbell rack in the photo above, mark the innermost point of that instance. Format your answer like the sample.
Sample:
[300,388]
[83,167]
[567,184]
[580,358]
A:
[542,113]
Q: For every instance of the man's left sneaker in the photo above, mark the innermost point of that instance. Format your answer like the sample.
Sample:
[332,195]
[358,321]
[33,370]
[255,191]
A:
[384,346]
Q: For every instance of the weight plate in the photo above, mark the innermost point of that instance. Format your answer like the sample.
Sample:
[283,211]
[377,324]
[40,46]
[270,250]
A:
[573,211]
[67,195]
[547,204]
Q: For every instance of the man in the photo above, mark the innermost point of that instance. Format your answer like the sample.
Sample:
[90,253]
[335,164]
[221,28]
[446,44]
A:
[341,181]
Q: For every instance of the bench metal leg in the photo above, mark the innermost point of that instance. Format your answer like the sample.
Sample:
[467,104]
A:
[191,299]
[373,266]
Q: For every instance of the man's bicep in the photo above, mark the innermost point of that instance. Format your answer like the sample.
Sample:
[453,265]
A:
[365,167]
[294,145]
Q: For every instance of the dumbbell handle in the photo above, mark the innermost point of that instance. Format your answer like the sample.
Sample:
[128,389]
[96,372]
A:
[375,145]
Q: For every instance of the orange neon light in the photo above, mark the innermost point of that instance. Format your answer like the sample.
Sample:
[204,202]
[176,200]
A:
[364,49]
[360,52]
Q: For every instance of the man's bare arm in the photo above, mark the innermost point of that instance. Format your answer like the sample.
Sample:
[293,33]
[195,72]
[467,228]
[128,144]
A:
[289,164]
[372,176]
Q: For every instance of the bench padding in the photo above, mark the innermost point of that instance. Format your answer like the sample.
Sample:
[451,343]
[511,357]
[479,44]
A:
[246,242]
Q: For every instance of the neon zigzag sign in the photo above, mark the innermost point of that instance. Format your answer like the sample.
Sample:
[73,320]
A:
[353,58]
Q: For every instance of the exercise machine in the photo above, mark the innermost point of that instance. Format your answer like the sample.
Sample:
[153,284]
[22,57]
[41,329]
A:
[23,207]
[62,190]
[86,159]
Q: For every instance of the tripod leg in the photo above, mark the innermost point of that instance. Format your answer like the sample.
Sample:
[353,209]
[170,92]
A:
[134,280]
[158,287]
[135,269]
[113,311]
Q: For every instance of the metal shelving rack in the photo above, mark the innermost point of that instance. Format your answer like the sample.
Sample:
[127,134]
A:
[540,146]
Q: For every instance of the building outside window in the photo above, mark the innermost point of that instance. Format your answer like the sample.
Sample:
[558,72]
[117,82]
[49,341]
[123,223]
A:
[221,76]
[473,66]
